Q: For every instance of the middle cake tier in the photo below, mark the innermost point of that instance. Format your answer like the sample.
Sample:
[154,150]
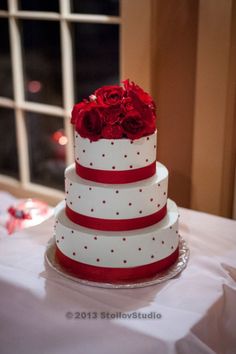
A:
[116,207]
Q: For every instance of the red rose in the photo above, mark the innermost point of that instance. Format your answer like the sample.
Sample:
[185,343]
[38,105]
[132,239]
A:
[109,95]
[112,115]
[112,132]
[127,104]
[143,103]
[134,126]
[89,122]
[76,109]
[143,96]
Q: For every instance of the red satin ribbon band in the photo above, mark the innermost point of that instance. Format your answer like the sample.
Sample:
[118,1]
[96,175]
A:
[115,224]
[114,275]
[116,177]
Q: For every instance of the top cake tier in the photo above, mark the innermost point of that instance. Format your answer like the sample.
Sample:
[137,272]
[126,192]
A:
[115,160]
[115,134]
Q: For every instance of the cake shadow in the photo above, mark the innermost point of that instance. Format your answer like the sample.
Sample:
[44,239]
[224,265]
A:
[102,299]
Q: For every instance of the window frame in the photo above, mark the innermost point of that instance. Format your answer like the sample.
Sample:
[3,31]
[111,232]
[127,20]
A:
[134,64]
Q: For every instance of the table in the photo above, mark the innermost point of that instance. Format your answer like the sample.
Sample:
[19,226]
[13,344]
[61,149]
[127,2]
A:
[195,311]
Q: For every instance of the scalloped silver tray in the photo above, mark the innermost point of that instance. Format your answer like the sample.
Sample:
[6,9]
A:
[160,277]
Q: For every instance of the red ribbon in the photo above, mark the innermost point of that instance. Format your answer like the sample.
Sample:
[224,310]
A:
[116,177]
[115,224]
[114,275]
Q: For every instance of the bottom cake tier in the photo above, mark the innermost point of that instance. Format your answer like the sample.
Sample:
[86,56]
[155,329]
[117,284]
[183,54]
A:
[115,257]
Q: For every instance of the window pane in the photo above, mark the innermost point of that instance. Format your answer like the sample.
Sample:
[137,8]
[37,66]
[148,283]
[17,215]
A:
[3,4]
[47,149]
[96,55]
[8,149]
[42,61]
[39,5]
[106,7]
[5,61]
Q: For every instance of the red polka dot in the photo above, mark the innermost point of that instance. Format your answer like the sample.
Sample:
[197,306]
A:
[112,251]
[155,146]
[140,211]
[117,192]
[124,239]
[57,241]
[131,166]
[162,242]
[125,156]
[130,204]
[152,256]
[98,260]
[92,210]
[77,158]
[148,138]
[91,164]
[146,160]
[176,231]
[158,184]
[172,247]
[112,143]
[95,238]
[104,201]
[170,227]
[67,192]
[85,247]
[74,253]
[124,261]
[113,167]
[158,205]
[164,193]
[56,221]
[70,203]
[117,213]
[72,231]
[131,142]
[153,238]
[151,200]
[103,155]
[140,249]
[79,196]
[138,153]
[70,184]
[83,150]
[140,190]
[62,237]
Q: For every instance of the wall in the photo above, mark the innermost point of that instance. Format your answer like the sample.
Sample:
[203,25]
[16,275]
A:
[193,82]
[174,43]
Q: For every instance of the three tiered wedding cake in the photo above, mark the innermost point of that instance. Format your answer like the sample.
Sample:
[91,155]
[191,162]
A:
[117,224]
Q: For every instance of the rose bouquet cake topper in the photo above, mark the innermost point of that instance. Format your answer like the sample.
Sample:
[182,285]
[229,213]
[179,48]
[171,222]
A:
[115,112]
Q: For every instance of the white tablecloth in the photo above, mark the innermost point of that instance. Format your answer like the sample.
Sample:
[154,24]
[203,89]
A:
[197,307]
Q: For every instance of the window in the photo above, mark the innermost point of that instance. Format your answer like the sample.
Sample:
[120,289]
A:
[55,53]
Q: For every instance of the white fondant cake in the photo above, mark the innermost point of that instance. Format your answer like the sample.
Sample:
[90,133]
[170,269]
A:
[115,154]
[124,201]
[116,224]
[111,249]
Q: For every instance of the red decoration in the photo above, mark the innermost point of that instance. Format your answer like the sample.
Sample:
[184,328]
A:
[116,177]
[114,275]
[115,224]
[115,112]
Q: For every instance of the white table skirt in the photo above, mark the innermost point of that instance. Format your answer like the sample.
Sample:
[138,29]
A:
[197,307]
